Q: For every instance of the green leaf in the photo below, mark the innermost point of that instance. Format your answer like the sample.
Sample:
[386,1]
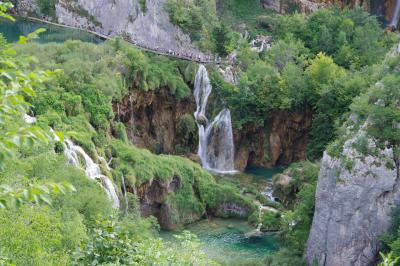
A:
[22,40]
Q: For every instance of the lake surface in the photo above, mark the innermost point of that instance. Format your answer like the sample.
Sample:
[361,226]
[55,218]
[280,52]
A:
[263,173]
[257,176]
[226,240]
[22,27]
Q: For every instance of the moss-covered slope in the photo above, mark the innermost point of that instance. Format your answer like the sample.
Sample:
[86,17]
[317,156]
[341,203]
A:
[79,103]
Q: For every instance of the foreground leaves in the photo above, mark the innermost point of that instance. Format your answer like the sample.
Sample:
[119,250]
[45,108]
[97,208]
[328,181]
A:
[36,194]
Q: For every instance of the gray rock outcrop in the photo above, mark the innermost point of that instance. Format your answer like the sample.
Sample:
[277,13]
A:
[354,199]
[149,27]
[305,6]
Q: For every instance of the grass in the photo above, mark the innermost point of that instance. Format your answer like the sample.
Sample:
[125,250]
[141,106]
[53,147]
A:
[199,190]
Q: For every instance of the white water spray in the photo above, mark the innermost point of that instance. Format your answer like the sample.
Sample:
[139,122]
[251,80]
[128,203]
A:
[396,16]
[268,193]
[29,119]
[216,148]
[74,153]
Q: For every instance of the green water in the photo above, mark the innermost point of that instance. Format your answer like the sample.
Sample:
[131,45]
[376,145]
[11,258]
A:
[12,30]
[263,173]
[226,240]
[256,176]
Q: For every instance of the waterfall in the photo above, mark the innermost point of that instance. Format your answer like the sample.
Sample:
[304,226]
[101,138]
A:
[257,232]
[268,193]
[29,119]
[216,148]
[396,14]
[74,153]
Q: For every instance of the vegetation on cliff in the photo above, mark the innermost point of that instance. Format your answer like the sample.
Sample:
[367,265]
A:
[295,222]
[304,68]
[78,102]
[376,110]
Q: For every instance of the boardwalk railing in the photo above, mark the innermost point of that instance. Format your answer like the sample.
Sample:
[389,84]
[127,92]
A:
[170,53]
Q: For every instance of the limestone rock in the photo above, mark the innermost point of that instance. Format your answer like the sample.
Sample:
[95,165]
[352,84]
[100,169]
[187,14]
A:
[153,197]
[283,190]
[261,43]
[353,206]
[272,4]
[281,142]
[229,74]
[149,28]
[201,119]
[151,119]
[305,6]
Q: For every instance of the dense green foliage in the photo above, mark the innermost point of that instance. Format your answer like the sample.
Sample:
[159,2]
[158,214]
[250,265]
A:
[118,243]
[383,111]
[303,69]
[389,259]
[47,7]
[78,102]
[351,37]
[139,166]
[17,84]
[243,16]
[377,107]
[391,239]
[295,223]
[199,19]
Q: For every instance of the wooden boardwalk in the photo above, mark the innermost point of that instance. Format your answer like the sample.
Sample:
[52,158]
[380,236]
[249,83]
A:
[196,58]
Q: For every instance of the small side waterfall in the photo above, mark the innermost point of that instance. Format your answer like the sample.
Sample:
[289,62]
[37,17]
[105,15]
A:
[268,193]
[216,148]
[74,153]
[396,16]
[29,119]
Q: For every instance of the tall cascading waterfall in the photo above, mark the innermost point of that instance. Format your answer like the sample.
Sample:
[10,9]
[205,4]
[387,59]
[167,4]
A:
[74,153]
[396,16]
[216,148]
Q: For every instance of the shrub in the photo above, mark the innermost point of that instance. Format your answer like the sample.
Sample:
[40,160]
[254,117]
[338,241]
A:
[186,126]
[47,7]
[34,235]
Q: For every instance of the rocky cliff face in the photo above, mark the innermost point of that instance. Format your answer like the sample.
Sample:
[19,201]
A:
[153,121]
[158,121]
[147,24]
[354,199]
[380,8]
[163,200]
[304,6]
[281,142]
[153,197]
